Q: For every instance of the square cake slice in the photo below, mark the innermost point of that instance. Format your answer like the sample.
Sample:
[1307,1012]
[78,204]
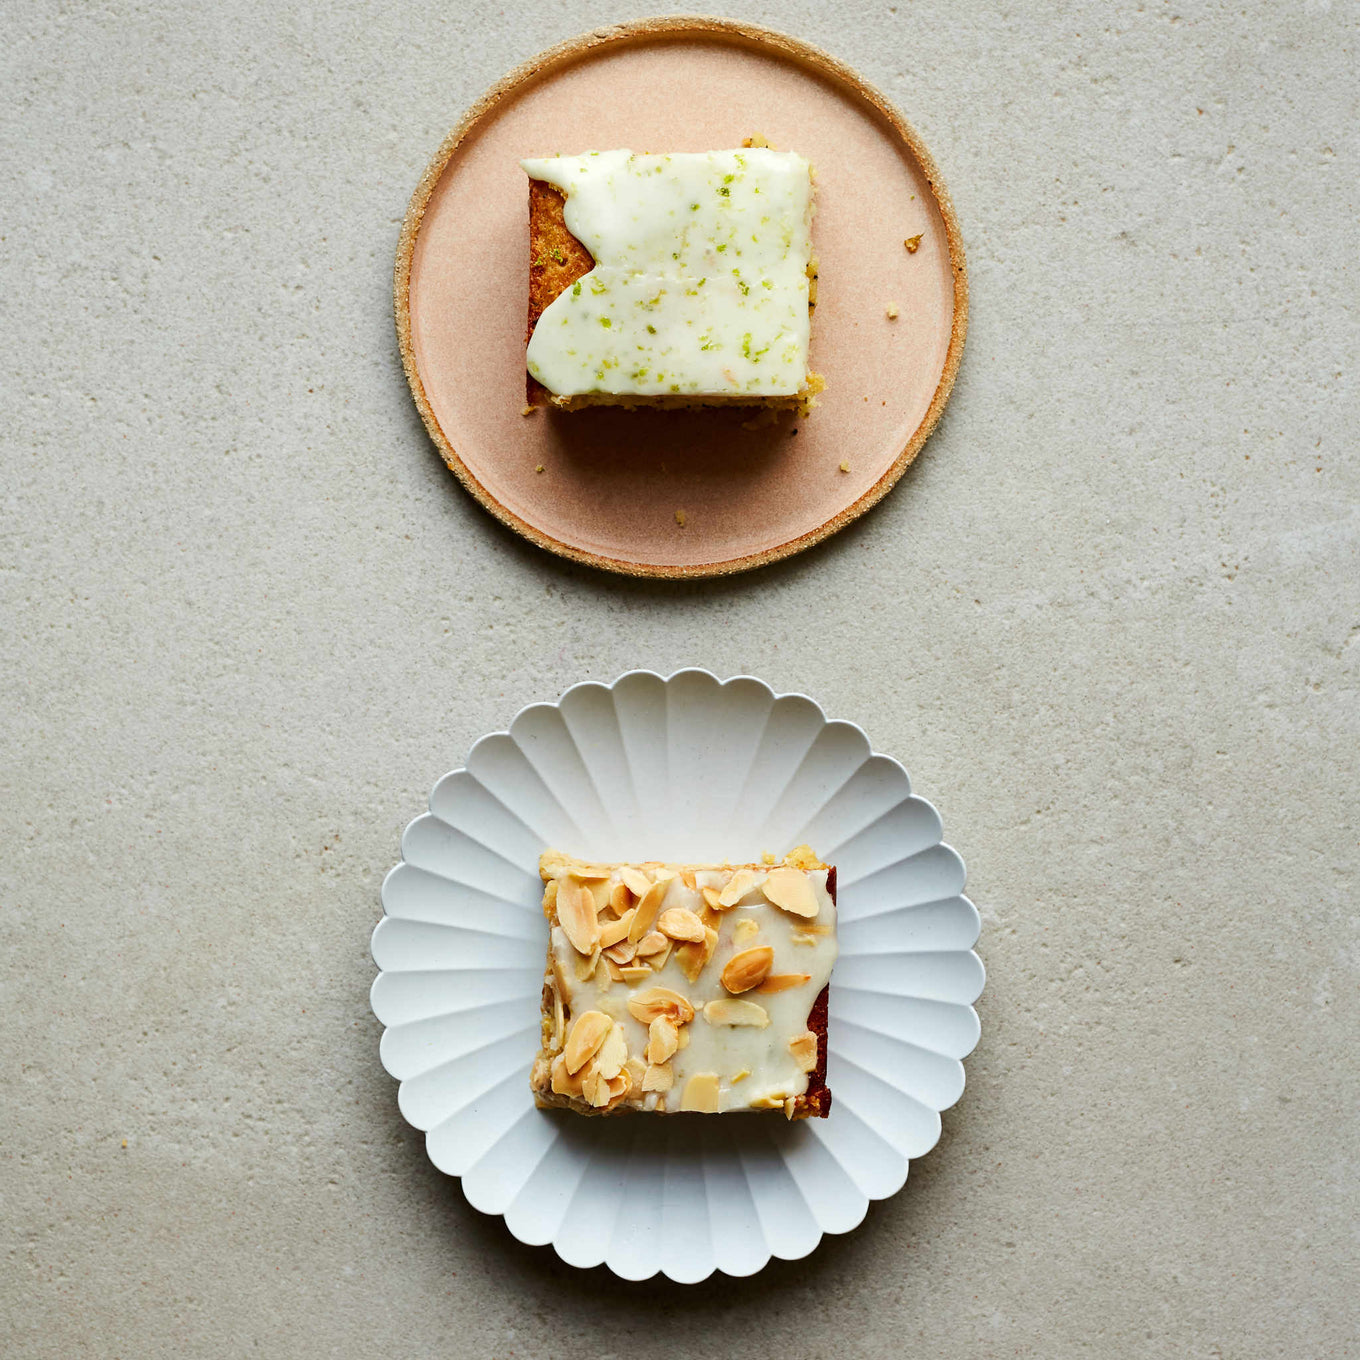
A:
[674,987]
[679,280]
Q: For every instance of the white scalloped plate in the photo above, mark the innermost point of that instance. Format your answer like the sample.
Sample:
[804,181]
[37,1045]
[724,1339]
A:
[679,768]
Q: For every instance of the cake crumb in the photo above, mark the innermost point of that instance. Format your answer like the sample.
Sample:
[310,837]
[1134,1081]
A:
[913,243]
[892,311]
[528,410]
[845,466]
[125,1142]
[757,140]
[767,858]
[539,468]
[680,518]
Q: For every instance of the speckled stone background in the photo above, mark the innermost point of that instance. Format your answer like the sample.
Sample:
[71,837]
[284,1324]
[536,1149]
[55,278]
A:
[1109,621]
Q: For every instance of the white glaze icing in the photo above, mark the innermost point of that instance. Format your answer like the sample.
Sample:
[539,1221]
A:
[724,1050]
[700,282]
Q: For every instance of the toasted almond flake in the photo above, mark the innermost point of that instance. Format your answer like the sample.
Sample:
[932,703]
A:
[663,874]
[663,1038]
[589,873]
[782,982]
[737,887]
[583,965]
[745,929]
[635,1068]
[587,1034]
[614,931]
[740,1076]
[615,972]
[684,1038]
[768,858]
[727,1011]
[790,890]
[633,973]
[680,924]
[803,937]
[599,892]
[747,969]
[804,1050]
[550,898]
[790,1105]
[710,896]
[687,878]
[635,880]
[612,1054]
[620,899]
[693,955]
[658,1077]
[604,973]
[658,961]
[595,1088]
[773,1101]
[622,952]
[701,1093]
[564,1083]
[652,944]
[576,915]
[646,1006]
[648,906]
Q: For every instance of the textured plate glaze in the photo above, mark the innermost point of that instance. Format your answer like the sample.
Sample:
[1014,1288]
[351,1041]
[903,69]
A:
[611,481]
[684,768]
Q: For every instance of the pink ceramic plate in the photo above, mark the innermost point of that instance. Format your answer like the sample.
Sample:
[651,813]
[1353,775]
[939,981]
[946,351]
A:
[604,486]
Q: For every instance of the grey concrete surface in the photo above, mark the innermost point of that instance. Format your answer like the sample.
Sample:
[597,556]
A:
[1109,621]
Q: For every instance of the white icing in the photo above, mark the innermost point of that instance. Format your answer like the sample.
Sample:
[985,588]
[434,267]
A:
[722,1049]
[700,281]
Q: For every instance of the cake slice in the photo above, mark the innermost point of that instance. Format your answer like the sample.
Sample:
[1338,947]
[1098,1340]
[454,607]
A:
[675,987]
[670,280]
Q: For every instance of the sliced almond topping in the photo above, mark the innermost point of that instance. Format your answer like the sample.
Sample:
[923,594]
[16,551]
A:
[745,929]
[583,965]
[611,932]
[790,1105]
[680,924]
[622,952]
[604,973]
[774,1101]
[620,899]
[550,898]
[747,969]
[652,944]
[727,1011]
[633,973]
[693,955]
[710,896]
[663,1038]
[804,1050]
[740,1076]
[595,1088]
[658,1077]
[615,972]
[589,872]
[587,1034]
[684,1037]
[576,915]
[564,1083]
[647,908]
[737,887]
[658,961]
[790,890]
[636,1069]
[612,1054]
[687,878]
[781,982]
[803,937]
[646,1006]
[701,1093]
[664,875]
[635,880]
[599,892]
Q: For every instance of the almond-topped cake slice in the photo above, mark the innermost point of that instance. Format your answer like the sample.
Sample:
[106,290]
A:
[686,987]
[670,280]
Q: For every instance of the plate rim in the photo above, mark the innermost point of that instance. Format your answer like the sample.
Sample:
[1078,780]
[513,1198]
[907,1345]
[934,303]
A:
[673,27]
[776,695]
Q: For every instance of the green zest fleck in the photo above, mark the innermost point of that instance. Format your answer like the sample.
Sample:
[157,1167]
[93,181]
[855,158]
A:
[725,191]
[606,322]
[576,288]
[694,207]
[722,247]
[558,256]
[651,330]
